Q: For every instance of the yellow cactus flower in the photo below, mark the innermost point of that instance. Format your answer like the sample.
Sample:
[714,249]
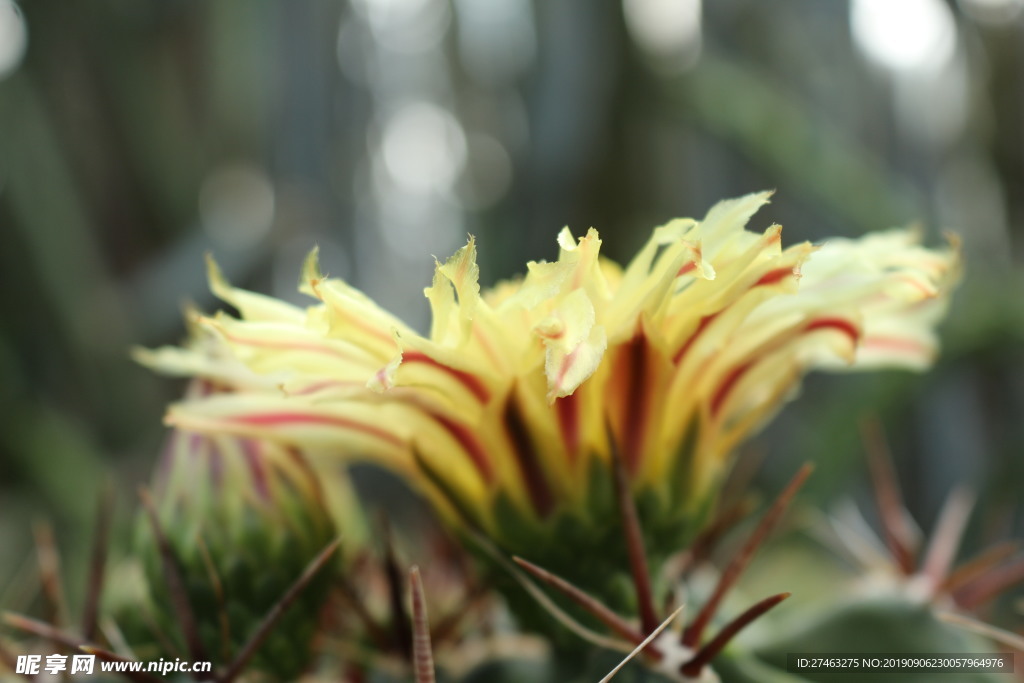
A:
[509,411]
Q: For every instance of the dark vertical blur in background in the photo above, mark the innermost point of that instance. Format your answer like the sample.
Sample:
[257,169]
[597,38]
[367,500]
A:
[135,136]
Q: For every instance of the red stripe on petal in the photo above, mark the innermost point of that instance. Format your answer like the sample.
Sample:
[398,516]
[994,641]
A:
[312,347]
[566,365]
[698,254]
[486,345]
[770,278]
[774,276]
[290,418]
[727,385]
[526,457]
[326,384]
[734,375]
[838,324]
[639,403]
[250,450]
[470,443]
[897,344]
[357,322]
[701,326]
[687,268]
[925,290]
[568,410]
[467,379]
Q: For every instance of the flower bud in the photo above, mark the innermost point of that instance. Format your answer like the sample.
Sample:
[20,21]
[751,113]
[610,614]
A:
[243,518]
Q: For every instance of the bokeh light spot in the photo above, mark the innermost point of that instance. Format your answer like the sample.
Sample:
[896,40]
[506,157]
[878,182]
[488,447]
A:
[406,26]
[13,37]
[423,148]
[668,30]
[904,35]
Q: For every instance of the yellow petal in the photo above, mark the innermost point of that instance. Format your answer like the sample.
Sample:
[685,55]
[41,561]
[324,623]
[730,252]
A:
[444,373]
[351,315]
[252,306]
[573,344]
[356,425]
[727,219]
[456,277]
[289,350]
[189,362]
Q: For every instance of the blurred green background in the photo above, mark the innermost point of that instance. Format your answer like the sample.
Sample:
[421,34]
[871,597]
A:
[135,136]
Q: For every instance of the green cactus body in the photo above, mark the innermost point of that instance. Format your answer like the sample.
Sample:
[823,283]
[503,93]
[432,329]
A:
[243,519]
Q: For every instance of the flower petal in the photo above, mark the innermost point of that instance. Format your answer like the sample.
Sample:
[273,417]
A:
[351,315]
[573,344]
[457,277]
[290,350]
[252,306]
